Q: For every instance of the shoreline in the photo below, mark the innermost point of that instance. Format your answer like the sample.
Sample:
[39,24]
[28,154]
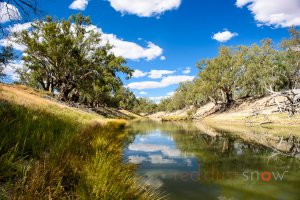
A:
[253,112]
[59,142]
[281,139]
[278,119]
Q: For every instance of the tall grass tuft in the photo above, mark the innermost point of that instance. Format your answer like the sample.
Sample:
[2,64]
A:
[44,156]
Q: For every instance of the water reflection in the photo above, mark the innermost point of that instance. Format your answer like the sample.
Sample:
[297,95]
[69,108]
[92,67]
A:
[189,162]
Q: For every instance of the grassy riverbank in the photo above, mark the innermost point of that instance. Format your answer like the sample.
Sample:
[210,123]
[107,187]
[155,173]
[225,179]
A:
[51,151]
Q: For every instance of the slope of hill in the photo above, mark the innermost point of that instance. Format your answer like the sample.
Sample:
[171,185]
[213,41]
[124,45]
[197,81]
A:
[51,151]
[25,96]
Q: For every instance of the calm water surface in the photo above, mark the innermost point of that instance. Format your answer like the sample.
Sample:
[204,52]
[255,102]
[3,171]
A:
[184,162]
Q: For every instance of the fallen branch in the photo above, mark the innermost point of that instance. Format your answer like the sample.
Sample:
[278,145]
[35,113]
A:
[291,102]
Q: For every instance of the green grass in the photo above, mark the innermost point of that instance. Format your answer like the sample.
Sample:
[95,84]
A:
[46,155]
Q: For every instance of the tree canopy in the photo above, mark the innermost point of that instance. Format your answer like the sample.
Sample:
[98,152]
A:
[6,56]
[66,56]
[241,72]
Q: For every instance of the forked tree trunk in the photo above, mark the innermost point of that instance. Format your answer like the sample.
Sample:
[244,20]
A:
[227,97]
[66,91]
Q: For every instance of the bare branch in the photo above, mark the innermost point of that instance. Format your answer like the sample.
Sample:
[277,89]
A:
[17,10]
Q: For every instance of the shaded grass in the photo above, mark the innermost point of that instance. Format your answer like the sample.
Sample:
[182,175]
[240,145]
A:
[48,155]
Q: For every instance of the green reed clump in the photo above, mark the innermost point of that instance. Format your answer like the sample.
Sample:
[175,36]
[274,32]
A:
[44,156]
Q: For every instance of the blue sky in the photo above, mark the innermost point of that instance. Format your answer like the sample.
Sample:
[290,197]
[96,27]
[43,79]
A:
[163,39]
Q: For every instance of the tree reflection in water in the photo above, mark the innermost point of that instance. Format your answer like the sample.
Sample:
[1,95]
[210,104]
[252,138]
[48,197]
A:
[212,163]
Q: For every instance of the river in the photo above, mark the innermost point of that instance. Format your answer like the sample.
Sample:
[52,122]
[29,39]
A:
[183,161]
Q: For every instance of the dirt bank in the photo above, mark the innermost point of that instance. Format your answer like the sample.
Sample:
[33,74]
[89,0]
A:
[26,96]
[248,111]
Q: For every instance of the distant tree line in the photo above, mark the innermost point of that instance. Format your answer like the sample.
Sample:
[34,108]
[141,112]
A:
[241,72]
[144,106]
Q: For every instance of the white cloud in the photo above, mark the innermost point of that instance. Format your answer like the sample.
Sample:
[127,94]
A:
[154,74]
[153,159]
[144,8]
[143,93]
[8,12]
[131,50]
[187,70]
[11,68]
[164,149]
[165,82]
[79,5]
[224,36]
[10,41]
[172,80]
[169,94]
[138,73]
[137,159]
[279,13]
[19,27]
[159,98]
[158,159]
[145,85]
[241,3]
[162,57]
[128,50]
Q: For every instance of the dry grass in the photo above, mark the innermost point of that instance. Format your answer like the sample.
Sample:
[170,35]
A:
[40,100]
[131,114]
[51,151]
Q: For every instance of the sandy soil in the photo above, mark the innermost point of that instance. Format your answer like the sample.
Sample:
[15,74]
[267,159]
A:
[252,111]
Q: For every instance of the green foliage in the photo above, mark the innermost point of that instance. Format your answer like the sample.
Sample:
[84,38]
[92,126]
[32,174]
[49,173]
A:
[66,56]
[165,105]
[186,94]
[218,74]
[241,72]
[145,106]
[292,58]
[6,56]
[125,99]
[47,156]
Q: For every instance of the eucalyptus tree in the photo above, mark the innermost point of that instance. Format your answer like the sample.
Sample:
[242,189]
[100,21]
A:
[181,98]
[242,72]
[67,56]
[165,105]
[124,99]
[145,106]
[291,53]
[259,69]
[218,75]
[6,56]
